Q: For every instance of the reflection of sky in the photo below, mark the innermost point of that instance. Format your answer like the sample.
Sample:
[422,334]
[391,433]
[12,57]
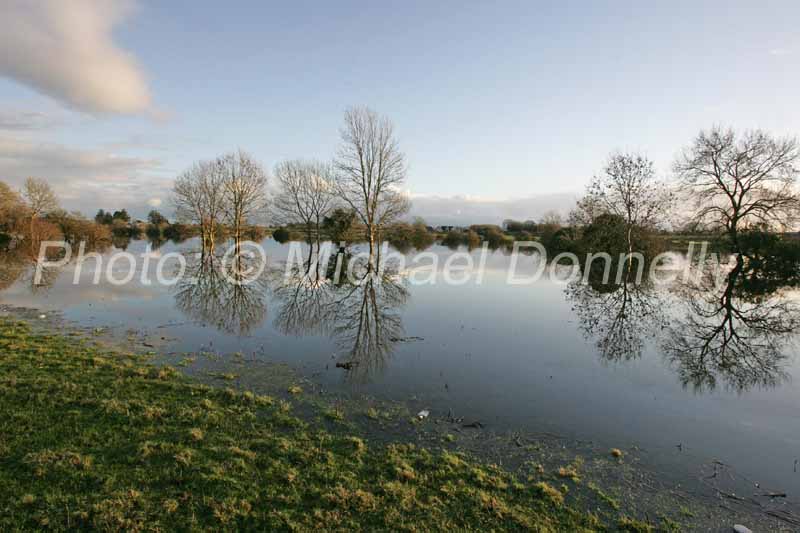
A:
[508,355]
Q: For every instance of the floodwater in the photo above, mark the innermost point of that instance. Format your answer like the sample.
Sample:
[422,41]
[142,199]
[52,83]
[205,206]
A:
[686,373]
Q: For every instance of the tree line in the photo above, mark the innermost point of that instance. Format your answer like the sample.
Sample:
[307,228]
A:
[742,187]
[34,214]
[728,183]
[363,183]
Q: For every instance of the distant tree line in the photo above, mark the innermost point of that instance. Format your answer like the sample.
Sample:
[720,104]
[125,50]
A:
[34,214]
[738,186]
[108,218]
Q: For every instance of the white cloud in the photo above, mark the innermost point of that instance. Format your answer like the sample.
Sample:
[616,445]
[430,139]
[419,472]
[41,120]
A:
[780,52]
[65,49]
[85,179]
[464,210]
[154,202]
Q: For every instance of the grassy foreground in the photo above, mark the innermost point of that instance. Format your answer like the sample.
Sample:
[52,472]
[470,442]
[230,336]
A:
[93,439]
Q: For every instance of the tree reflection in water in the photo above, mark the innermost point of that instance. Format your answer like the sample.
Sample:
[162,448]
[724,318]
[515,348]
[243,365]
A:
[620,316]
[12,267]
[362,315]
[221,297]
[737,334]
[18,267]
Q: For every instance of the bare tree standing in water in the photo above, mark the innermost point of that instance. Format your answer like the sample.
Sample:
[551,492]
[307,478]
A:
[306,194]
[737,181]
[371,169]
[40,200]
[245,195]
[199,197]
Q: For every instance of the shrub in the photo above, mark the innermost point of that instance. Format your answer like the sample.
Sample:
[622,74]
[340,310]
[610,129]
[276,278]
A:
[473,239]
[281,235]
[453,239]
[255,233]
[405,236]
[178,232]
[421,237]
[339,225]
[153,232]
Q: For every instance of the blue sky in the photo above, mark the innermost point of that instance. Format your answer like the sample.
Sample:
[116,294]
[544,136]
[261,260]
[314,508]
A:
[491,101]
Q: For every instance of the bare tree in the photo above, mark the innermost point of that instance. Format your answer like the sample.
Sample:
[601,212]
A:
[629,189]
[11,208]
[552,217]
[370,171]
[306,194]
[245,184]
[9,199]
[39,199]
[198,195]
[737,181]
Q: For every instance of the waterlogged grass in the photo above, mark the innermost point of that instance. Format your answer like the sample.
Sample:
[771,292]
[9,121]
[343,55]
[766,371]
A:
[91,439]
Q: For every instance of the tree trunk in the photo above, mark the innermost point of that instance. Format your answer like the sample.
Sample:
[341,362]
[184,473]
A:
[733,230]
[33,224]
[630,247]
[210,238]
[371,236]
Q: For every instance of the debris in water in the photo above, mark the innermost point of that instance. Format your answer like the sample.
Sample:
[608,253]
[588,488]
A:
[452,418]
[42,316]
[738,528]
[423,414]
[347,365]
[405,339]
[476,425]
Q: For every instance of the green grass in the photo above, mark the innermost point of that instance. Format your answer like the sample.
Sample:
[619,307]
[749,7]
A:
[94,439]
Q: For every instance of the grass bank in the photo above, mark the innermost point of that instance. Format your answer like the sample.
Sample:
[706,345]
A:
[94,439]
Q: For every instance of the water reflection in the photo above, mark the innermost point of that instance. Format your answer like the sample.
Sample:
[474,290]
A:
[215,294]
[368,322]
[362,315]
[12,268]
[304,297]
[736,334]
[16,266]
[733,330]
[156,240]
[620,316]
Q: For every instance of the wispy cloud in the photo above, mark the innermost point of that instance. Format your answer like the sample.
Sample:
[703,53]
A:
[11,120]
[65,50]
[86,179]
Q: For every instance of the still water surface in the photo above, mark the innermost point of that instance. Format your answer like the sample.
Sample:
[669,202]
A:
[621,367]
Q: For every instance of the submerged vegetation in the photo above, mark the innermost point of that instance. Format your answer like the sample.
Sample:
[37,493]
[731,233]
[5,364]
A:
[91,438]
